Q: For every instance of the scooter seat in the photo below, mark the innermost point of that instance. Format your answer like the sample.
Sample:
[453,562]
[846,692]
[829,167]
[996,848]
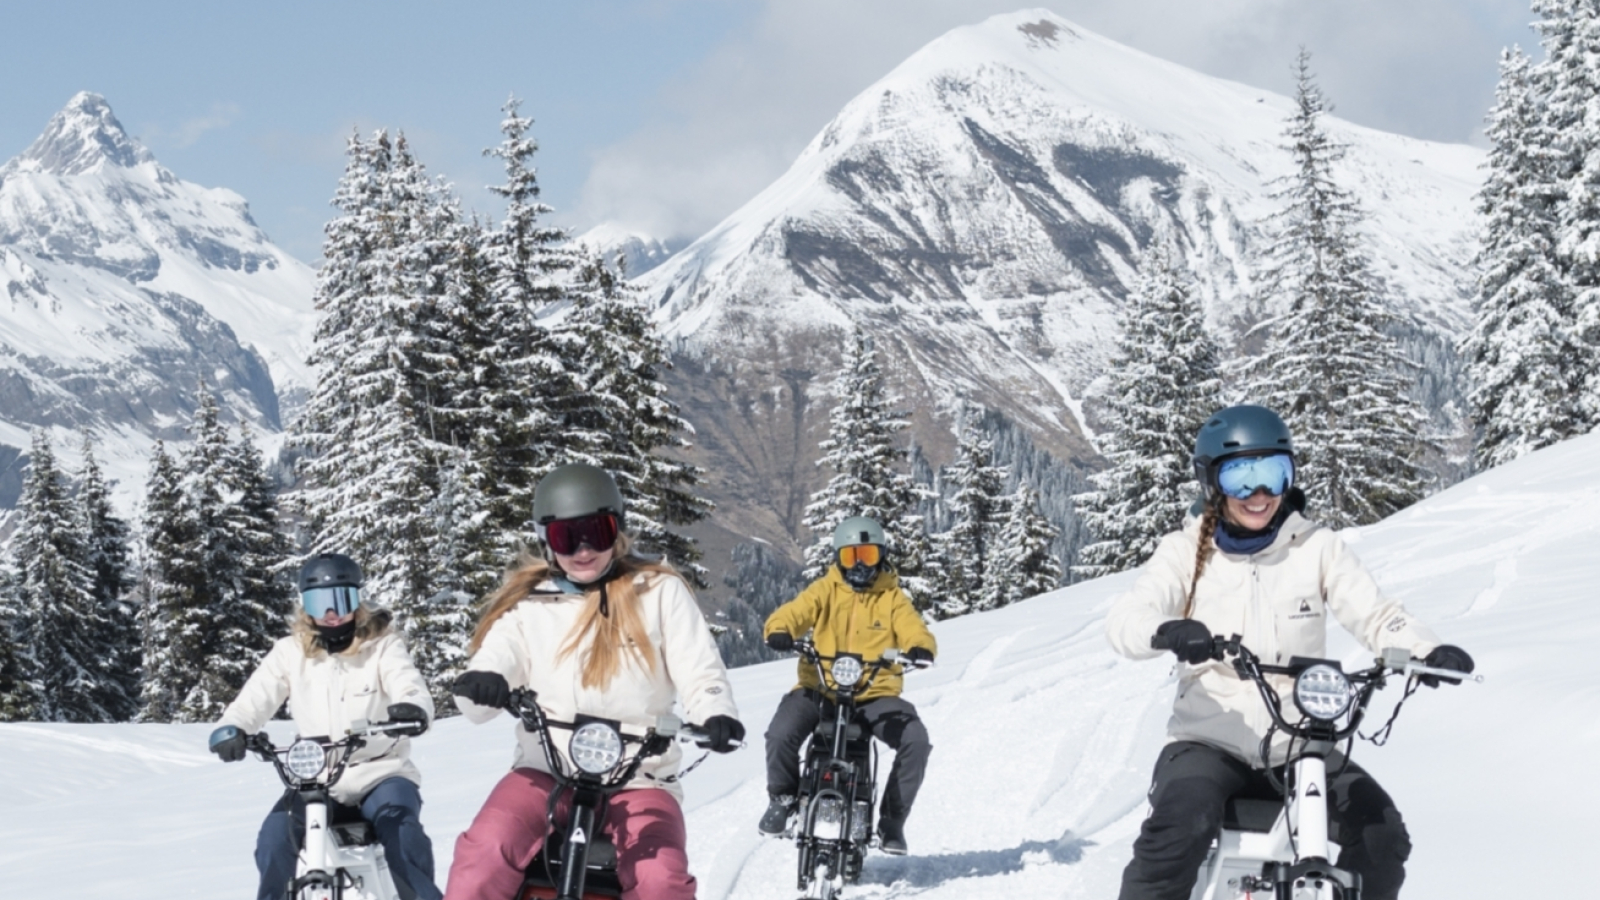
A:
[1250,814]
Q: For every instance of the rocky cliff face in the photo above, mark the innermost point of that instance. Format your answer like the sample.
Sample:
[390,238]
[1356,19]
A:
[125,287]
[978,211]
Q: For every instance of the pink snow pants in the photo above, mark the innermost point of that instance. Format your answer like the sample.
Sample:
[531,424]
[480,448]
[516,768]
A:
[645,824]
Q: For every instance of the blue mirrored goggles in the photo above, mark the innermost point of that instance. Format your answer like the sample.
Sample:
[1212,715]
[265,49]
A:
[341,600]
[1241,476]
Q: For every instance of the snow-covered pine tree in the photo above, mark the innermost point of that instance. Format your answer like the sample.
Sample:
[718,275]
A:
[622,401]
[978,510]
[254,614]
[863,450]
[107,556]
[1163,384]
[438,626]
[1329,368]
[60,626]
[1024,556]
[1526,364]
[1567,84]
[17,696]
[227,654]
[527,389]
[172,622]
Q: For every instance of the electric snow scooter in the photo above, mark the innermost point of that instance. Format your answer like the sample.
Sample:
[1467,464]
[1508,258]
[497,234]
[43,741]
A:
[833,824]
[577,860]
[340,858]
[1280,848]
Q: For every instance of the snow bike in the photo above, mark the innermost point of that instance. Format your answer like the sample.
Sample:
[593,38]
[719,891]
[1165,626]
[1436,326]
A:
[1280,848]
[577,860]
[340,858]
[833,821]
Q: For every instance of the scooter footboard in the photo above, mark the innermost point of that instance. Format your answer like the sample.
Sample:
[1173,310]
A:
[1238,859]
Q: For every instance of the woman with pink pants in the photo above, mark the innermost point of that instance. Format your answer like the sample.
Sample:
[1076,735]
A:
[600,632]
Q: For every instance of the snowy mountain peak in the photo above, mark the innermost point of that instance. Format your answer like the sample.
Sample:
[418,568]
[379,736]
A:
[81,136]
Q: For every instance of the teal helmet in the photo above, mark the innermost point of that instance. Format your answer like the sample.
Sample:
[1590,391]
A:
[1235,431]
[853,532]
[858,530]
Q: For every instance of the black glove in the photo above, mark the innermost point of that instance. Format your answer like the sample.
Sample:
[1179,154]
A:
[921,657]
[723,733]
[227,742]
[1445,656]
[483,688]
[1189,640]
[780,641]
[409,712]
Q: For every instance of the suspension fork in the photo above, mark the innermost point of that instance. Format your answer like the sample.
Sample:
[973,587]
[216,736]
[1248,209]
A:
[581,825]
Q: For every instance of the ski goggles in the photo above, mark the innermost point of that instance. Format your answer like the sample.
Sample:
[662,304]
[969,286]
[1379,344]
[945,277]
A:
[865,554]
[341,600]
[565,536]
[1241,476]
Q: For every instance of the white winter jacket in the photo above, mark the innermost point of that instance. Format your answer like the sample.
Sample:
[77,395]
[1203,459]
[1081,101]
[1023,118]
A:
[1278,599]
[524,645]
[327,693]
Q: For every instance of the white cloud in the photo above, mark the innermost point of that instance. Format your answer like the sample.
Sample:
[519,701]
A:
[189,132]
[738,118]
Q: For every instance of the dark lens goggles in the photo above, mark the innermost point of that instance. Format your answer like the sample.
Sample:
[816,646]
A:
[599,531]
[341,600]
[1242,476]
[866,554]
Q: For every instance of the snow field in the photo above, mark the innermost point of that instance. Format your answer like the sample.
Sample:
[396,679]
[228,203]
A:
[1042,738]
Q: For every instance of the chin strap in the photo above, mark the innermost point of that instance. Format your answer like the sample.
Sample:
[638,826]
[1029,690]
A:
[572,587]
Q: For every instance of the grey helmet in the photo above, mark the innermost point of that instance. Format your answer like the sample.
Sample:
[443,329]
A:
[576,489]
[1234,431]
[860,530]
[329,570]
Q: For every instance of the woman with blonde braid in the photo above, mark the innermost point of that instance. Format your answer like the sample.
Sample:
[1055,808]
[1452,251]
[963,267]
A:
[1253,565]
[598,632]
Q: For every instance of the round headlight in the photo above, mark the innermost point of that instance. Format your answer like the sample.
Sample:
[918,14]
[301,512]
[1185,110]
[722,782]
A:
[596,747]
[305,760]
[1322,692]
[846,671]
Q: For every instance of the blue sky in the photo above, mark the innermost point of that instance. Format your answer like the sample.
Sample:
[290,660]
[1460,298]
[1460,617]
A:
[660,114]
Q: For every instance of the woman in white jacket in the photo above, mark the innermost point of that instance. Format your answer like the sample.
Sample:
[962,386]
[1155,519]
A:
[601,633]
[341,662]
[1253,566]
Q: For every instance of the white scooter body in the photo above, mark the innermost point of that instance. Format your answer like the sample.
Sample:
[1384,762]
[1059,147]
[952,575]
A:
[360,869]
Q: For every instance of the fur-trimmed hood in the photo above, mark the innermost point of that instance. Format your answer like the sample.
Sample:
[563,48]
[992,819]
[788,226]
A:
[371,624]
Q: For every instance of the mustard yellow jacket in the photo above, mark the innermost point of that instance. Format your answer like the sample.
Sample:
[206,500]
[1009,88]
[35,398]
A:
[844,620]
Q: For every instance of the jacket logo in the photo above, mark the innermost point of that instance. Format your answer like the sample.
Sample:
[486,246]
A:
[1305,606]
[877,626]
[714,690]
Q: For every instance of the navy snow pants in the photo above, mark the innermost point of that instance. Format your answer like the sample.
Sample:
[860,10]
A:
[394,807]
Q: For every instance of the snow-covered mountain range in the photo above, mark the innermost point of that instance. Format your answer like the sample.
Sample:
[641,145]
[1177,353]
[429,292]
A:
[125,286]
[1043,741]
[978,210]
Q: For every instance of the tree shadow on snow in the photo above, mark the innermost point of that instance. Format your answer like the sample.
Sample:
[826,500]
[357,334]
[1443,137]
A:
[929,871]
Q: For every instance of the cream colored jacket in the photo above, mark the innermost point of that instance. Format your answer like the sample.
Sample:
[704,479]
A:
[1278,599]
[328,693]
[524,645]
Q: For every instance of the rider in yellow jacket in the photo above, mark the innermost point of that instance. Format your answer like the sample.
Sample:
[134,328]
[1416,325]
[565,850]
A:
[856,607]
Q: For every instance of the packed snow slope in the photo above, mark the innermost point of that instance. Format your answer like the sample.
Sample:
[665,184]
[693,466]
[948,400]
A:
[1043,740]
[979,211]
[125,286]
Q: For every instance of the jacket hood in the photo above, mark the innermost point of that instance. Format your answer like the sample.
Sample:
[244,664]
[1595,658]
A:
[371,624]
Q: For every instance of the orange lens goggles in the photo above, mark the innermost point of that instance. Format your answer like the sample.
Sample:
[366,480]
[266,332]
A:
[866,554]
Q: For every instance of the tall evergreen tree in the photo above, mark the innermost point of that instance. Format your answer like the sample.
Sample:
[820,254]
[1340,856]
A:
[1329,368]
[1525,361]
[17,696]
[528,388]
[107,556]
[622,400]
[1025,558]
[172,615]
[975,581]
[1163,385]
[864,452]
[60,625]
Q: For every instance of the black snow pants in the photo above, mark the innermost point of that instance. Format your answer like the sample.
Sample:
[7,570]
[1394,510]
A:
[1192,783]
[892,719]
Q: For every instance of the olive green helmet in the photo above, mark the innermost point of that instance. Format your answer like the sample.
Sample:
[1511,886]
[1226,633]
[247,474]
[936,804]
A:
[576,489]
[858,530]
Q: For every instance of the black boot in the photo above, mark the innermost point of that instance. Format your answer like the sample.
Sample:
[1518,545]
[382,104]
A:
[776,819]
[892,835]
